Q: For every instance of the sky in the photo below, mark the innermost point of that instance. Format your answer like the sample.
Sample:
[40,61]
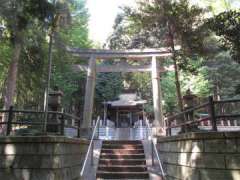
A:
[102,16]
[103,13]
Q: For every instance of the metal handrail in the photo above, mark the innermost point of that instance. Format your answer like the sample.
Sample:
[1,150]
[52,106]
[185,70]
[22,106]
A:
[154,149]
[90,147]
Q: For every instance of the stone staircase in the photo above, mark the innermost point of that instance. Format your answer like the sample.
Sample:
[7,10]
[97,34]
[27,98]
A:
[122,160]
[108,133]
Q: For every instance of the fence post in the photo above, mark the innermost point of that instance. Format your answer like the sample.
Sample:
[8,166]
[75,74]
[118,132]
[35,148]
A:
[9,122]
[169,129]
[147,133]
[92,153]
[212,113]
[98,129]
[78,130]
[152,149]
[62,124]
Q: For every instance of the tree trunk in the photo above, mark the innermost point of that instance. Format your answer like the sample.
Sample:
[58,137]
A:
[216,91]
[11,81]
[178,86]
[176,69]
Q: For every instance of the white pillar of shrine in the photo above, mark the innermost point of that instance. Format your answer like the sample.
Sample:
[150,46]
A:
[89,93]
[157,94]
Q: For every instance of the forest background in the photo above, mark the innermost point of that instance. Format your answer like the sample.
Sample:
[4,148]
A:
[207,64]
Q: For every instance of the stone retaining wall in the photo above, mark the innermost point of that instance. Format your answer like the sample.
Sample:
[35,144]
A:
[41,158]
[201,156]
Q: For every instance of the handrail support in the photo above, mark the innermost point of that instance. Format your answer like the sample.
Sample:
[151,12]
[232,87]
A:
[92,153]
[212,113]
[90,149]
[152,148]
[9,122]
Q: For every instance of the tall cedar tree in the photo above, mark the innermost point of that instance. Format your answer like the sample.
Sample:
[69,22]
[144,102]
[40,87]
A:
[182,25]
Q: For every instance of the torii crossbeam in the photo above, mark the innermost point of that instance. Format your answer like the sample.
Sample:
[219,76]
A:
[113,54]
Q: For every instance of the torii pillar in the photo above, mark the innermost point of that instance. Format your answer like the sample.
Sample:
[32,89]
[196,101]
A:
[89,93]
[157,95]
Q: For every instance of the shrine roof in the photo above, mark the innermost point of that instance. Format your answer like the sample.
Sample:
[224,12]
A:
[127,99]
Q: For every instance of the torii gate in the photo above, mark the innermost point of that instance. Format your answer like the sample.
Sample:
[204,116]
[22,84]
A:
[92,69]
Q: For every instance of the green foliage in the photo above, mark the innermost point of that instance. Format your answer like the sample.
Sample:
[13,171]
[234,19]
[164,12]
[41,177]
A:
[169,19]
[18,14]
[169,92]
[142,82]
[151,25]
[223,73]
[164,23]
[129,33]
[75,35]
[197,83]
[108,86]
[17,18]
[120,38]
[5,57]
[70,83]
[227,26]
[36,19]
[31,70]
[219,5]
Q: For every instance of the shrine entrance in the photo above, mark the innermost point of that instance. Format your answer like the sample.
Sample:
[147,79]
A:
[154,55]
[125,120]
[126,112]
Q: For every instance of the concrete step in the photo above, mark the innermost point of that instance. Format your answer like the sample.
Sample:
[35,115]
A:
[122,175]
[122,146]
[122,151]
[122,142]
[110,162]
[122,160]
[122,156]
[126,168]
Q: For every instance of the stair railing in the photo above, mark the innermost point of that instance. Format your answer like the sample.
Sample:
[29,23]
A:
[150,137]
[91,147]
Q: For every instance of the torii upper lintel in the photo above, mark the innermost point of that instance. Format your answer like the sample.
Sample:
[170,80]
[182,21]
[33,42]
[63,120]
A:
[111,54]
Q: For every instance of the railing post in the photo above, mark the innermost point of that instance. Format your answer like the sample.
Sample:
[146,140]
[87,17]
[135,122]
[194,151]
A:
[9,122]
[78,131]
[98,125]
[212,113]
[92,155]
[146,130]
[169,130]
[152,148]
[62,124]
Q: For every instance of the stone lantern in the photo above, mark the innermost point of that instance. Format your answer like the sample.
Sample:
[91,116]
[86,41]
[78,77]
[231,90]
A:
[189,101]
[55,99]
[54,104]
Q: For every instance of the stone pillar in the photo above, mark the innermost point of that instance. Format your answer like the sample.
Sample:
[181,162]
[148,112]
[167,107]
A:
[157,94]
[89,93]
